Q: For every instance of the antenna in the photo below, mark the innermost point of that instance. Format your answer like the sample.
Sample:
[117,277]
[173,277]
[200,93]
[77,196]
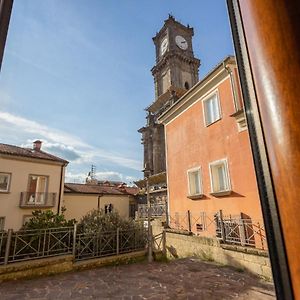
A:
[93,171]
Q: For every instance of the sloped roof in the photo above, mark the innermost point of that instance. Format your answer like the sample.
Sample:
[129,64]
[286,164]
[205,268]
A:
[132,190]
[27,152]
[81,188]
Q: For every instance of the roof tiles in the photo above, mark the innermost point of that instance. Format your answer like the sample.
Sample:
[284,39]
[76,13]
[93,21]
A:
[27,152]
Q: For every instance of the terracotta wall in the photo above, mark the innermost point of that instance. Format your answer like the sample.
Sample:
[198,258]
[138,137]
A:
[191,144]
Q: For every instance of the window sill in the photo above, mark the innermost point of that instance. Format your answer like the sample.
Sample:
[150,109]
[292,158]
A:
[207,125]
[195,197]
[221,193]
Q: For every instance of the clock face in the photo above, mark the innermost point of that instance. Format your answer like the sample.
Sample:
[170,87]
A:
[164,46]
[181,42]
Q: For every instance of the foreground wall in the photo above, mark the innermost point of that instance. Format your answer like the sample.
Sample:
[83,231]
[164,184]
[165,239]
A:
[244,258]
[61,264]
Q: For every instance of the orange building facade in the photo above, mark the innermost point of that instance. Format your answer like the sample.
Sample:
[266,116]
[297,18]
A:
[209,161]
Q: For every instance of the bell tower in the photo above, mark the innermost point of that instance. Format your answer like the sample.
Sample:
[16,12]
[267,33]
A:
[175,72]
[176,65]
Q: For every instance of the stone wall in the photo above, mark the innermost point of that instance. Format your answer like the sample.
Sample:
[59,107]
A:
[256,261]
[61,264]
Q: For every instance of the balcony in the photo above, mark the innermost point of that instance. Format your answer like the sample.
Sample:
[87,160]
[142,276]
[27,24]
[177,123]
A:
[37,200]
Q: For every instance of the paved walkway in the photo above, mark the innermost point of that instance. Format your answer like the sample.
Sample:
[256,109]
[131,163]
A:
[180,279]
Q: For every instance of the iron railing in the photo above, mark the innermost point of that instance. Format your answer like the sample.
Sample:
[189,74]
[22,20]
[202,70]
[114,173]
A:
[3,239]
[35,200]
[32,244]
[238,230]
[157,210]
[242,231]
[108,243]
[41,243]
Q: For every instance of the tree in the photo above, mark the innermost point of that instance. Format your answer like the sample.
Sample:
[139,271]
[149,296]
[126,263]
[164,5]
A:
[47,219]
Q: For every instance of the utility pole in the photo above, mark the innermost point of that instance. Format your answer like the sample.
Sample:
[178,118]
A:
[150,256]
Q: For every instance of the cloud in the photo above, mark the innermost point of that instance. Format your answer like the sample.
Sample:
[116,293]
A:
[61,150]
[102,175]
[64,144]
[41,130]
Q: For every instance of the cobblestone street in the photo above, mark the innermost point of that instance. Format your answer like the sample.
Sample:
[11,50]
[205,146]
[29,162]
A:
[180,279]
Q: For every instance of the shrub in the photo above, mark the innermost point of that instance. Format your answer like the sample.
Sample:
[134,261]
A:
[98,220]
[47,219]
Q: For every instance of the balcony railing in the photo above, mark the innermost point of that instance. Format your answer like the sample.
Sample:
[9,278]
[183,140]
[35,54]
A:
[34,200]
[157,210]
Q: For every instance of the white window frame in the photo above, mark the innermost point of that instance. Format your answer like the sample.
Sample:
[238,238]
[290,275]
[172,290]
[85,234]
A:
[226,191]
[34,198]
[8,183]
[209,97]
[200,194]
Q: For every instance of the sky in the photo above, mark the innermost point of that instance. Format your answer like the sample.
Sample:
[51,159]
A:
[76,75]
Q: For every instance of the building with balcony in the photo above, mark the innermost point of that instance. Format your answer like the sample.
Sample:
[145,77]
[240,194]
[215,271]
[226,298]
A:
[30,179]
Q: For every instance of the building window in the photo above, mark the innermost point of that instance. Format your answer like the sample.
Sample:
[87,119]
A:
[37,189]
[219,178]
[5,182]
[212,112]
[2,223]
[194,183]
[108,208]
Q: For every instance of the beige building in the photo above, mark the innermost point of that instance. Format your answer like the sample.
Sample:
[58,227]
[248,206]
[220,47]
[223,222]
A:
[79,199]
[30,179]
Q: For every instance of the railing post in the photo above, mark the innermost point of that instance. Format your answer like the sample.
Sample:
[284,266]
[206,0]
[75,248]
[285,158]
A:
[189,220]
[44,241]
[74,240]
[242,231]
[167,214]
[223,232]
[118,241]
[261,237]
[150,244]
[7,248]
[164,243]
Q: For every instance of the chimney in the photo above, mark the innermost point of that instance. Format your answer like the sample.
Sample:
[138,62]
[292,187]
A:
[37,145]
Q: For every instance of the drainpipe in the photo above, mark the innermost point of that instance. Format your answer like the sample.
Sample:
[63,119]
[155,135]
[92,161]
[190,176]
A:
[60,187]
[229,71]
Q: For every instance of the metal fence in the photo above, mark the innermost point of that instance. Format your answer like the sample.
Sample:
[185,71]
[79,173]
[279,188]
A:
[102,244]
[242,231]
[33,244]
[239,230]
[157,210]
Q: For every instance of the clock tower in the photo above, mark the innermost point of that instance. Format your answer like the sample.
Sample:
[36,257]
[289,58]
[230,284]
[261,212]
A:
[175,71]
[176,65]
